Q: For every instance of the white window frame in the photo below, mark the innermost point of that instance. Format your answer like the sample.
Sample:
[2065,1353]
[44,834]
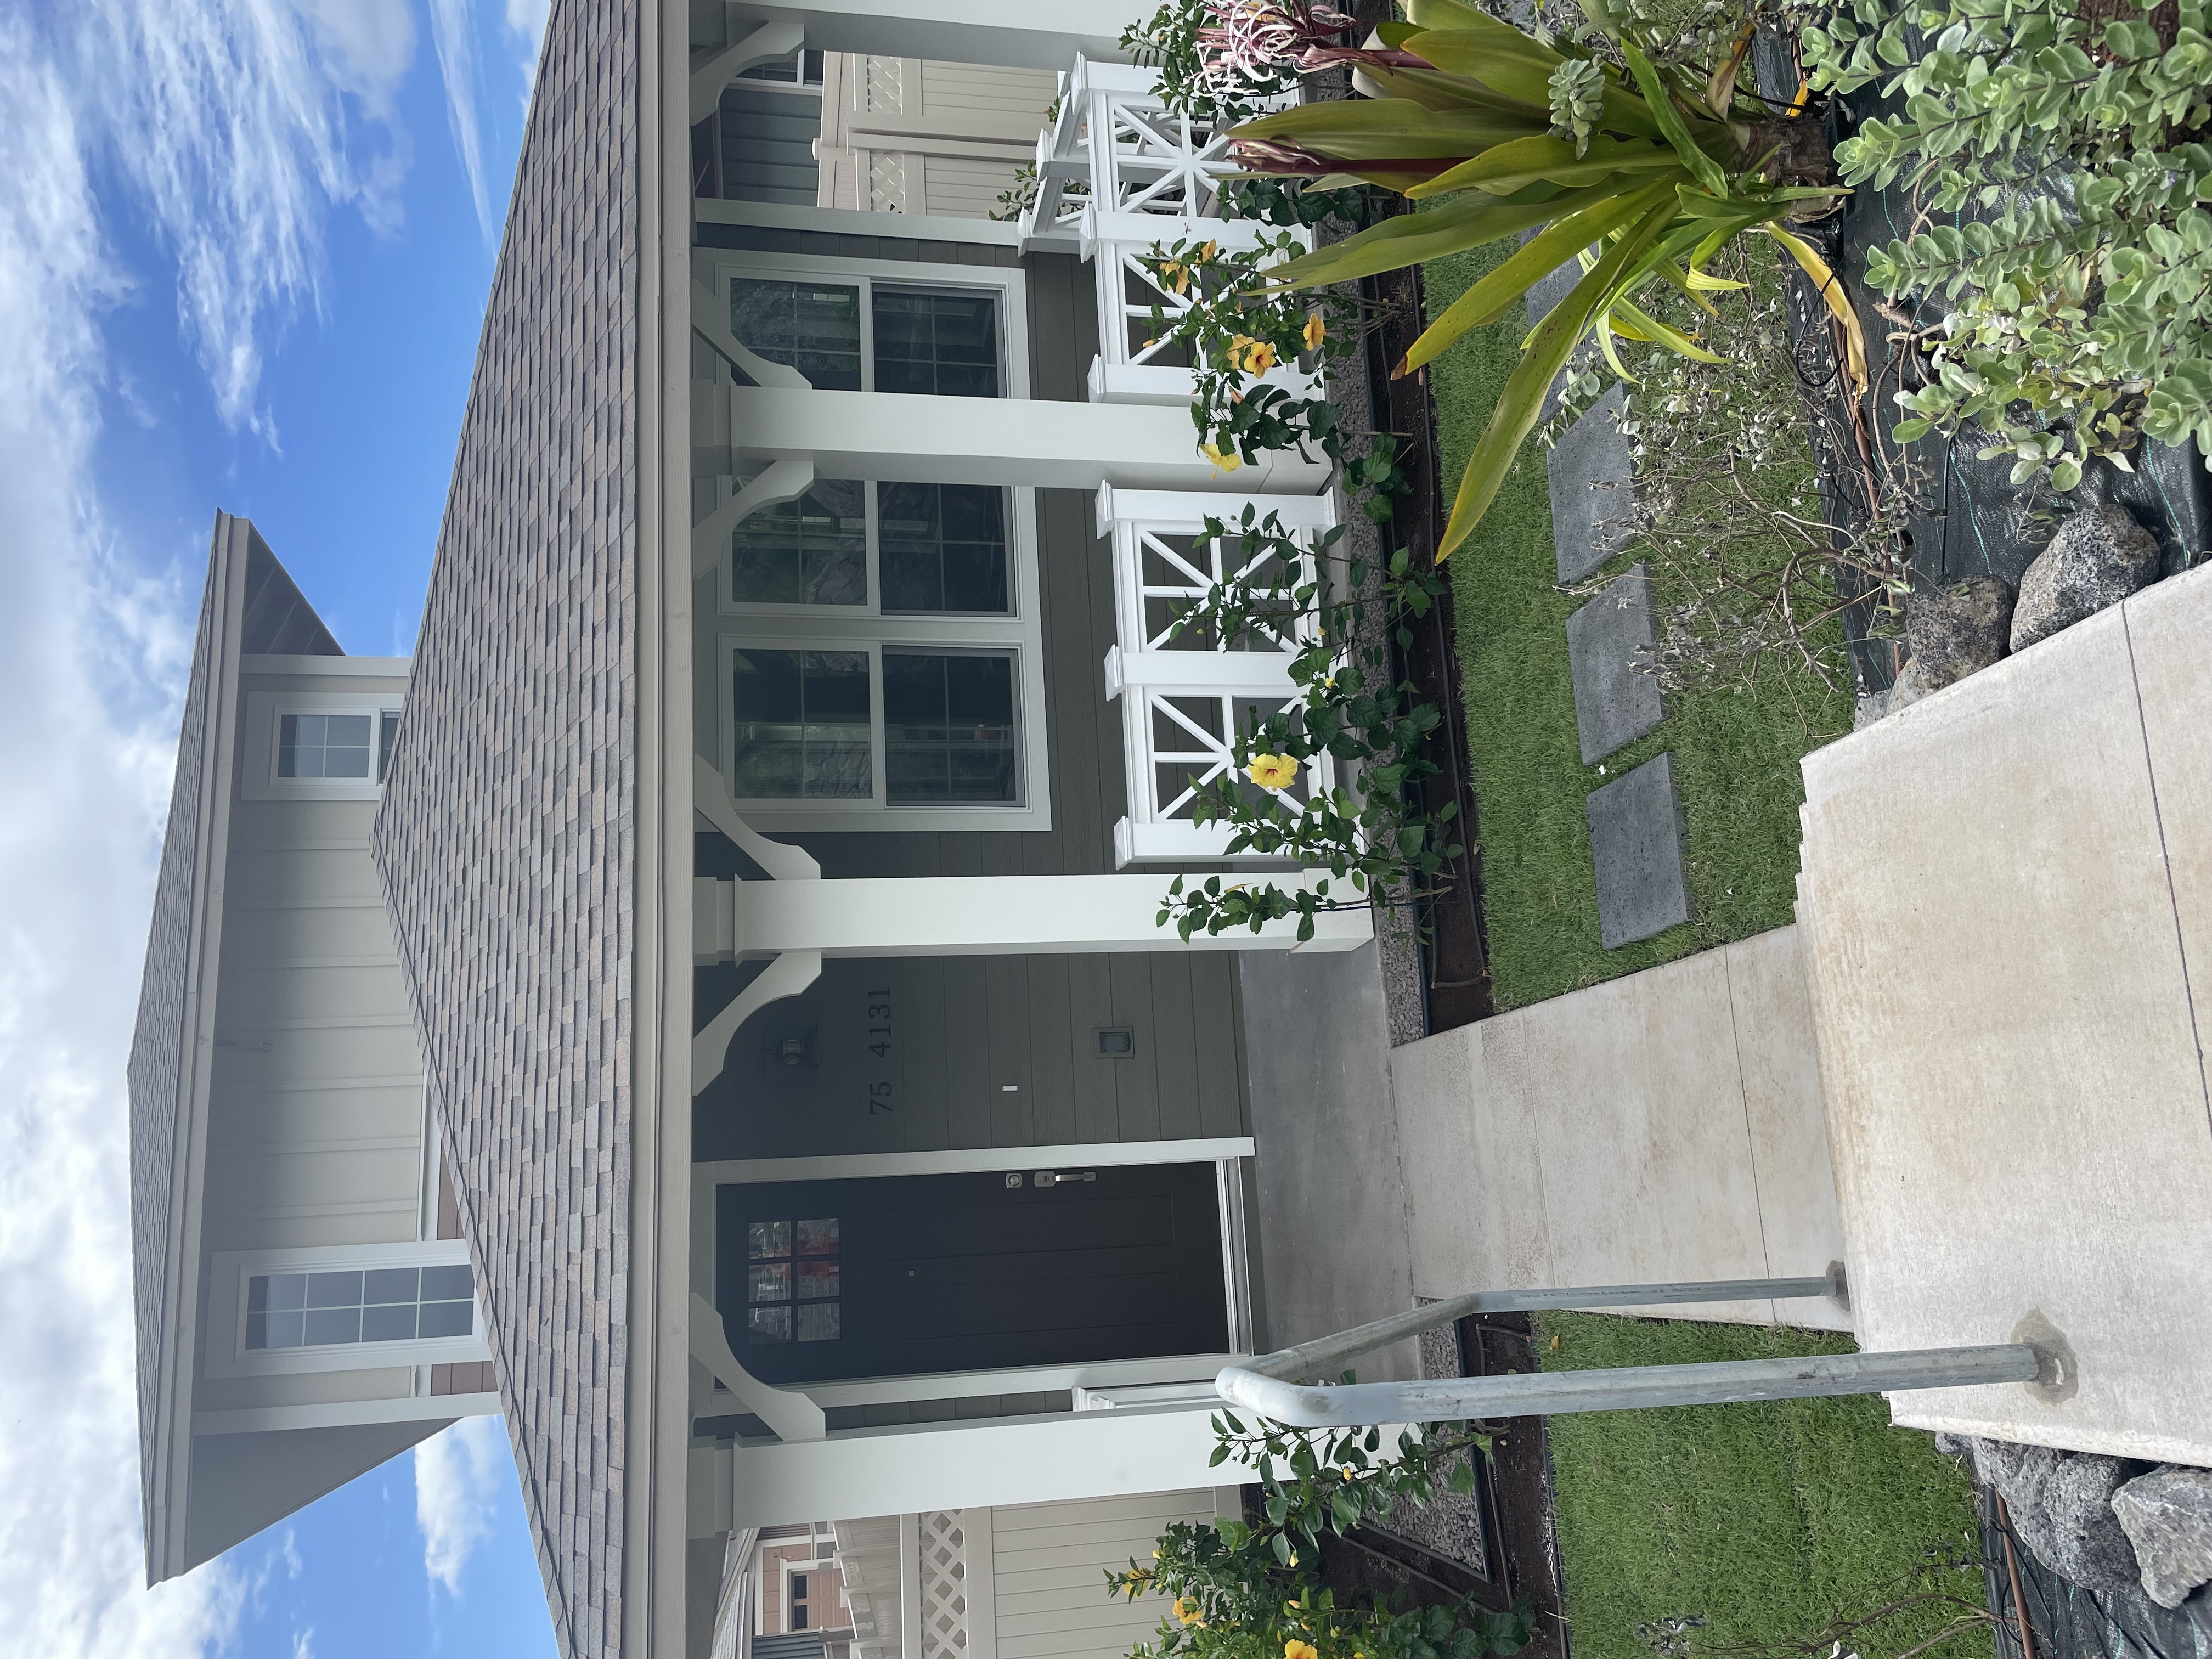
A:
[226,1354]
[1029,810]
[265,727]
[717,267]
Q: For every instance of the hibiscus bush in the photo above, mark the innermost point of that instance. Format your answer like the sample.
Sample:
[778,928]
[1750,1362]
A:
[1252,1588]
[1379,850]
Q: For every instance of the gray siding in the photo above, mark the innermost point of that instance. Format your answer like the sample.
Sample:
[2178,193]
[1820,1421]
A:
[768,144]
[982,1051]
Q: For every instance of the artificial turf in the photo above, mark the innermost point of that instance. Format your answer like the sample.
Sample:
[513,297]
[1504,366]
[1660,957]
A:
[1735,752]
[1768,1521]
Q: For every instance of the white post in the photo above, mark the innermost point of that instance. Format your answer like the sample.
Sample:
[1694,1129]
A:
[980,915]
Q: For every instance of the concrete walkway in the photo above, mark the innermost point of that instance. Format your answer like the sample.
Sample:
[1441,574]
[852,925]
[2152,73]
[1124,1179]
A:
[1666,1126]
[2006,897]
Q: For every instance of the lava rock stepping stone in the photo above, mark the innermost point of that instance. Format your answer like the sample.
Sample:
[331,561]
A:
[2168,1517]
[2098,557]
[1592,494]
[1636,841]
[1609,651]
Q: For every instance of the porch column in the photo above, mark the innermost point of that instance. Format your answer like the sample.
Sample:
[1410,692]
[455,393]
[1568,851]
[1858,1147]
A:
[994,440]
[979,916]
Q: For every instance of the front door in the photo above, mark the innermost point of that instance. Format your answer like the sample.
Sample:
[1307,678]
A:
[818,1280]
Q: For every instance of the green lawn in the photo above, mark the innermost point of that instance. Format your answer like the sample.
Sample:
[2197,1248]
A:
[1736,754]
[1767,1520]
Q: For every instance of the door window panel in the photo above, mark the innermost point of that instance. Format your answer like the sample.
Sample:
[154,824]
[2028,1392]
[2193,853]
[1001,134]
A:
[769,1318]
[949,727]
[803,726]
[944,345]
[813,550]
[944,548]
[809,326]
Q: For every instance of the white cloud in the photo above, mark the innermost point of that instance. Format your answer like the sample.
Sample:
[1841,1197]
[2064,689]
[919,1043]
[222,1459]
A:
[453,31]
[91,656]
[526,22]
[366,45]
[457,1495]
[303,1643]
[231,120]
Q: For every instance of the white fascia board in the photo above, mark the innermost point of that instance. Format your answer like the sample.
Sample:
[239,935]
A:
[345,1414]
[176,1367]
[980,1463]
[1017,34]
[853,221]
[1051,444]
[362,668]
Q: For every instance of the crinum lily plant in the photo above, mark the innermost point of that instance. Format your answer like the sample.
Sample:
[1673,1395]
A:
[1643,165]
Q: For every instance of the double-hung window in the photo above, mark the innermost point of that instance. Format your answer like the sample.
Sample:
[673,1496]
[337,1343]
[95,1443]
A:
[876,333]
[880,660]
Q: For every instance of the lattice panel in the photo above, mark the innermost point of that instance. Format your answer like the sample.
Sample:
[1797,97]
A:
[887,180]
[944,1586]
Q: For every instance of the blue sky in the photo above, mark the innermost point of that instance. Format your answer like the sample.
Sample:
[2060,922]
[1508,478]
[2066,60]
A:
[244,249]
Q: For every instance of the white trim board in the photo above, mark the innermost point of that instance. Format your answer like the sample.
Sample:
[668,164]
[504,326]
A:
[345,1414]
[850,221]
[972,1160]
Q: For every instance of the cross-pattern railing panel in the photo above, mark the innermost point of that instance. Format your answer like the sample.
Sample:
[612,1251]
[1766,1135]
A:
[1186,693]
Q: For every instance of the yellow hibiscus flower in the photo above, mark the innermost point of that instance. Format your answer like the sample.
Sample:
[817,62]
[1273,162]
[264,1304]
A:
[1273,771]
[1224,460]
[1294,1648]
[1253,356]
[1186,1611]
[1316,332]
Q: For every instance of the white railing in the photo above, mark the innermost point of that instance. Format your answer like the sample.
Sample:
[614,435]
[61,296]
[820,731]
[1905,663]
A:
[1122,174]
[1183,697]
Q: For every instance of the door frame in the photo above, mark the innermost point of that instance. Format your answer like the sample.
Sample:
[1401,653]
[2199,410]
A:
[1227,1154]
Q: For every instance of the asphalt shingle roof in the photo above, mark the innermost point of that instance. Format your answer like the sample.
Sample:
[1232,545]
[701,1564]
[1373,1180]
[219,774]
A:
[506,838]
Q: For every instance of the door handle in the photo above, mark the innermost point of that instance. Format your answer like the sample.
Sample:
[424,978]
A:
[1055,1178]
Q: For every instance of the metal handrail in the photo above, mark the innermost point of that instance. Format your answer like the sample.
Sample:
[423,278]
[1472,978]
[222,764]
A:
[1266,1385]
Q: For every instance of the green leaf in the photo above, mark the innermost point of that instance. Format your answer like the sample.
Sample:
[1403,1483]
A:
[1677,130]
[1408,239]
[1486,301]
[1504,168]
[1523,400]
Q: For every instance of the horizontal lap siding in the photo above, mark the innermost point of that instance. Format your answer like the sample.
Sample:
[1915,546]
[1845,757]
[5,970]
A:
[1048,1565]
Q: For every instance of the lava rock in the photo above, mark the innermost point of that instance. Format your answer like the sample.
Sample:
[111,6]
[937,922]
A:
[2167,1515]
[2098,558]
[2060,1505]
[1955,629]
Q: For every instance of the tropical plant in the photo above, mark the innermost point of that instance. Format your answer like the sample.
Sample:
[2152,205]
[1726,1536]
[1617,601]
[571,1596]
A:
[2069,301]
[1583,142]
[1251,1589]
[1379,850]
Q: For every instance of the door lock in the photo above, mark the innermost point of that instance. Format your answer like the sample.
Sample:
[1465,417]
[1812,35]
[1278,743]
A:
[1055,1178]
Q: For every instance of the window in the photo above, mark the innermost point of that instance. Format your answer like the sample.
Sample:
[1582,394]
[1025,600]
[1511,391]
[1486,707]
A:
[376,1304]
[320,746]
[792,1287]
[893,549]
[864,333]
[803,727]
[948,726]
[343,1307]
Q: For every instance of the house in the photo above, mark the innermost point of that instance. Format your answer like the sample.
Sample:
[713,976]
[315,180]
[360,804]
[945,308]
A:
[726,973]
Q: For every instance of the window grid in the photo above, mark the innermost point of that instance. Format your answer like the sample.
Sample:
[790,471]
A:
[792,1287]
[323,745]
[340,1307]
